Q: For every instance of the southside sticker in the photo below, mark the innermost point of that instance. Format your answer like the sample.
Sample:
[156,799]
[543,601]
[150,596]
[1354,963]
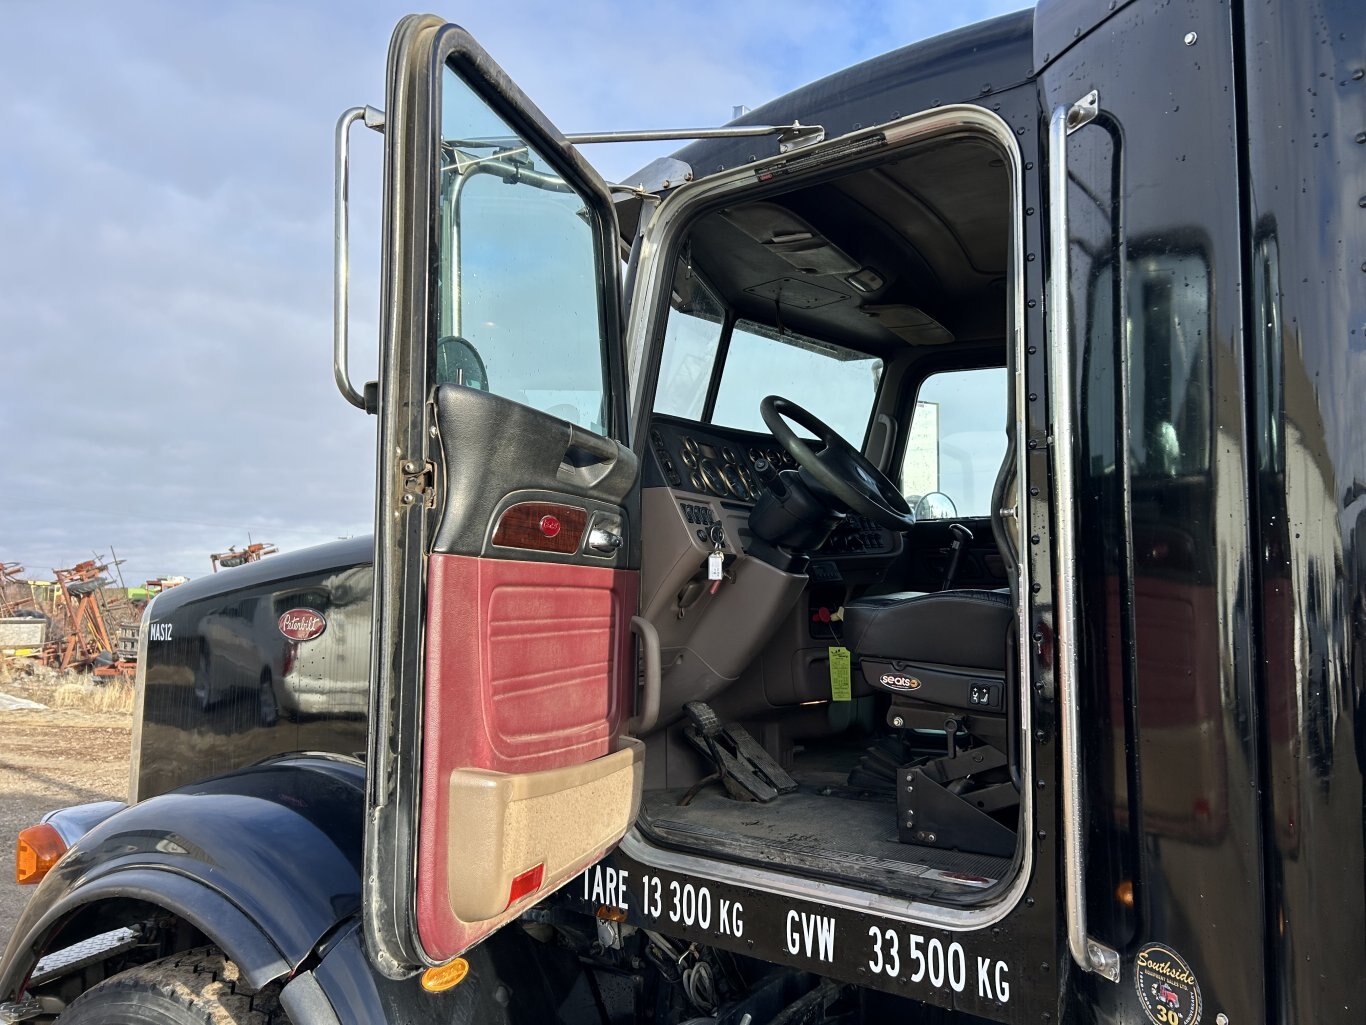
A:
[1166,986]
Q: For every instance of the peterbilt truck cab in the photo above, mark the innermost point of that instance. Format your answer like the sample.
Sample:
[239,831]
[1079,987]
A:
[895,556]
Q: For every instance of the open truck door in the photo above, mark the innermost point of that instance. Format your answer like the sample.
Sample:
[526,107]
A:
[506,556]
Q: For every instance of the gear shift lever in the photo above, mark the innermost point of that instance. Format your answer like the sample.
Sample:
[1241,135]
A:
[961,534]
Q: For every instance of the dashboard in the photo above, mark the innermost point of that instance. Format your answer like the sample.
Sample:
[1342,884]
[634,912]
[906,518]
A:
[699,458]
[701,484]
[692,458]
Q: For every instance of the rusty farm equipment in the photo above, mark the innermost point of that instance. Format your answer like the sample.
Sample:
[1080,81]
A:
[235,556]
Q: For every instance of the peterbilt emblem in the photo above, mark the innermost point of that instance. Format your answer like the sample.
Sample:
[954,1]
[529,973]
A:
[302,624]
[550,525]
[899,682]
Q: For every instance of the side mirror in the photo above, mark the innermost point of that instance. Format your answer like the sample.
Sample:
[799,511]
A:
[458,362]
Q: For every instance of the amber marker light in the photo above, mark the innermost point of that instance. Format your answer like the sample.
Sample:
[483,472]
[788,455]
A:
[444,976]
[39,848]
[1124,893]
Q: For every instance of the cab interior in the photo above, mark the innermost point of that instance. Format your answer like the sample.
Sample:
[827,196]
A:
[877,299]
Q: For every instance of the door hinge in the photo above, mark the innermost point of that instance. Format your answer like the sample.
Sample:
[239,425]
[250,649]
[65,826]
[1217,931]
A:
[418,483]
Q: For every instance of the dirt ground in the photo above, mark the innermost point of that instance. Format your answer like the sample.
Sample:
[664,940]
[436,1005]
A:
[50,758]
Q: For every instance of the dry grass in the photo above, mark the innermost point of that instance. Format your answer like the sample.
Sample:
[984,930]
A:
[114,696]
[72,690]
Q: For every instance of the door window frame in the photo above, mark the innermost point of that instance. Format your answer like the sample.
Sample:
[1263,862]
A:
[658,245]
[528,122]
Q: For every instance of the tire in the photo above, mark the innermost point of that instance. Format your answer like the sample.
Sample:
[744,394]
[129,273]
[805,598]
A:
[197,987]
[203,691]
[269,705]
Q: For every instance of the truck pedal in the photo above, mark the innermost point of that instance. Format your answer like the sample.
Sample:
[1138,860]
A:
[747,770]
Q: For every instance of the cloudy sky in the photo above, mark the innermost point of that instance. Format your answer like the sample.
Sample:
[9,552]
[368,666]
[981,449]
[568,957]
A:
[165,236]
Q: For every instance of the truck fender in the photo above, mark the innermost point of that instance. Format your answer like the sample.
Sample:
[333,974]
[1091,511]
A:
[510,978]
[208,911]
[264,861]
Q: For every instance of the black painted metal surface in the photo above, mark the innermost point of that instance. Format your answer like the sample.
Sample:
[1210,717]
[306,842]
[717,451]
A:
[1306,231]
[971,64]
[225,687]
[1170,759]
[1002,973]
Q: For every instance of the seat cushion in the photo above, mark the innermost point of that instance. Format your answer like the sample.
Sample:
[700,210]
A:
[949,628]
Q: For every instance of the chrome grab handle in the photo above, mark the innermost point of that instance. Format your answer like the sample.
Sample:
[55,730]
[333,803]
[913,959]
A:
[341,245]
[1089,954]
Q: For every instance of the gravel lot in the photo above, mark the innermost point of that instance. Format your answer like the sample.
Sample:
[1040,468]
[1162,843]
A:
[50,758]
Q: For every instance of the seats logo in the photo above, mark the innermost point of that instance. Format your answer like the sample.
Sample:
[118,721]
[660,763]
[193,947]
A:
[899,682]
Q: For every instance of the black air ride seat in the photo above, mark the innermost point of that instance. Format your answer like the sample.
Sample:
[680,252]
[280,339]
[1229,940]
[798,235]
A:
[947,648]
[942,658]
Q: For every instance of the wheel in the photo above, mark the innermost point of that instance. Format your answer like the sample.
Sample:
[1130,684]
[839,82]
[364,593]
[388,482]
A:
[839,470]
[269,704]
[198,987]
[202,691]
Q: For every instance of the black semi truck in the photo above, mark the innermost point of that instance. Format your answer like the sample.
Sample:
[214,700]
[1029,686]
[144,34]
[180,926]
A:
[899,558]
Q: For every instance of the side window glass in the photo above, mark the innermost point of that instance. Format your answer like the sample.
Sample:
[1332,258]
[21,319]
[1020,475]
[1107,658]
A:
[517,306]
[690,339]
[956,444]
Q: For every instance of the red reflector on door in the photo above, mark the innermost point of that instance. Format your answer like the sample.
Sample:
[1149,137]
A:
[528,882]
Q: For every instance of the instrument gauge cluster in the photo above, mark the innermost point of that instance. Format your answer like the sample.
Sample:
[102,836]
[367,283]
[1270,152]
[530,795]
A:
[723,467]
[720,464]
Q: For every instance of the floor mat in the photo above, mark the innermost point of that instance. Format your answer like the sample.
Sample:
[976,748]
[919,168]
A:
[835,836]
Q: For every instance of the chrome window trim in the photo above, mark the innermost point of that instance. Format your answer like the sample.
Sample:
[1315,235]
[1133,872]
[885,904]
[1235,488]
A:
[655,246]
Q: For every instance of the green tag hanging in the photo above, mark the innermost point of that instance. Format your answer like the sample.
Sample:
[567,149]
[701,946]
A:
[840,687]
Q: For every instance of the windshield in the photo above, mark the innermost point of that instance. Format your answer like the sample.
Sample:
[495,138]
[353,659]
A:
[839,385]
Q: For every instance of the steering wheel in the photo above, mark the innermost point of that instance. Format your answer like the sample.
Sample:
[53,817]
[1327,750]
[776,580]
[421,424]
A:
[841,471]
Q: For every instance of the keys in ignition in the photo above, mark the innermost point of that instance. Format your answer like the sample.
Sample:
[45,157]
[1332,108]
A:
[716,566]
[716,561]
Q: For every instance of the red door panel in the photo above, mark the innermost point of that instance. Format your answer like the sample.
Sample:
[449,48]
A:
[531,658]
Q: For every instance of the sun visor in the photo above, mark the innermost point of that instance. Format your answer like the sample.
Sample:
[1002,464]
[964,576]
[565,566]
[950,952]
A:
[784,234]
[910,323]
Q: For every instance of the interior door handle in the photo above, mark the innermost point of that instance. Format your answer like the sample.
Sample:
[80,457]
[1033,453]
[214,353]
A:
[603,540]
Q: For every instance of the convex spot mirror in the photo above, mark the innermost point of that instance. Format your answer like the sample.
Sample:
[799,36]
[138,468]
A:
[459,362]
